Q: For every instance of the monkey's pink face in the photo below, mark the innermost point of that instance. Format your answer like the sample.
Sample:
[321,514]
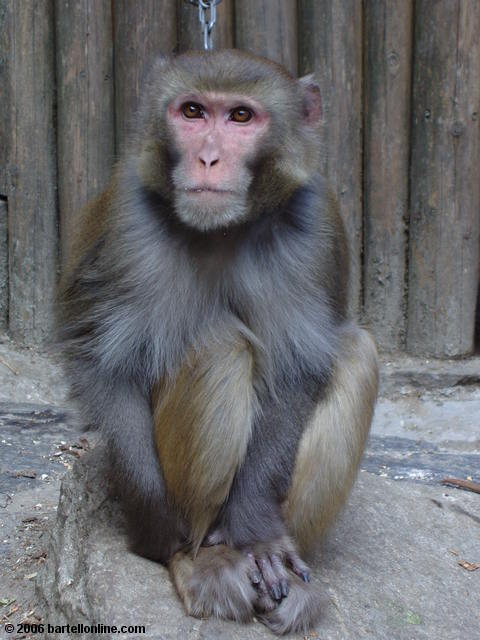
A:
[215,136]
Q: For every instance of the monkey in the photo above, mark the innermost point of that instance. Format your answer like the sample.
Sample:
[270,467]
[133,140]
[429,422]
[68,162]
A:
[204,320]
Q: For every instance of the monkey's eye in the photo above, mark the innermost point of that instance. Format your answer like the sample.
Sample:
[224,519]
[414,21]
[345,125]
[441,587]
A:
[241,114]
[192,110]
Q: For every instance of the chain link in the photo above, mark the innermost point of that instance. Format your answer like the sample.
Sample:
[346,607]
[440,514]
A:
[207,24]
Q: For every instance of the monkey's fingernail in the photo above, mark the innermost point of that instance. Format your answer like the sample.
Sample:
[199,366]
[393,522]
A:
[275,592]
[305,576]
[284,587]
[256,577]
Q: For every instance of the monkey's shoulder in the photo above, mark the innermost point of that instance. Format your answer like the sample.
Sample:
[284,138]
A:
[313,214]
[322,246]
[91,230]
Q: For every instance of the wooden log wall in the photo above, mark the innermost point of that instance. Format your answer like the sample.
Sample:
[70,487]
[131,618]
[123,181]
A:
[400,83]
[445,179]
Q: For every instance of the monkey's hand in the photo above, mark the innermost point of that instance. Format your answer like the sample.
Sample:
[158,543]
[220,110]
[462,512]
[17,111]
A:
[270,563]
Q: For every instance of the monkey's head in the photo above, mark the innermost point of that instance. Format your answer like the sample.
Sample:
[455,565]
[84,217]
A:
[225,136]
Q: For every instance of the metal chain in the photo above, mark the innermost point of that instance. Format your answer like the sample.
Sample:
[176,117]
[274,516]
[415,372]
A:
[205,6]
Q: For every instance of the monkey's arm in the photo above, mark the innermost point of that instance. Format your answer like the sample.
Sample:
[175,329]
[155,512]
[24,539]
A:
[252,512]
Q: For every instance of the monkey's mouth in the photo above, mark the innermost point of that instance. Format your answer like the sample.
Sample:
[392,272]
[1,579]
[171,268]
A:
[199,190]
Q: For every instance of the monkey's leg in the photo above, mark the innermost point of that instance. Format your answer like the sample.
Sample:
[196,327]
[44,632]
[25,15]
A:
[332,444]
[203,421]
[326,464]
[122,412]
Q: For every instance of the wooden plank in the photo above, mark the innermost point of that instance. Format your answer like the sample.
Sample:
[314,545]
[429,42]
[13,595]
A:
[32,233]
[331,46]
[268,29]
[3,265]
[189,32]
[143,30]
[5,102]
[445,178]
[85,107]
[388,26]
[5,109]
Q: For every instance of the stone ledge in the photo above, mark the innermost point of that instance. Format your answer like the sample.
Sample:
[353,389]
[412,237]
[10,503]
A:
[389,568]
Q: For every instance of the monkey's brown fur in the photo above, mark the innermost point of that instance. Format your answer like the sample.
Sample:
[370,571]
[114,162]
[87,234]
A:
[333,441]
[211,404]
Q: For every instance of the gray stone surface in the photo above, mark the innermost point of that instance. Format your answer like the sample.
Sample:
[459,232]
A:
[389,569]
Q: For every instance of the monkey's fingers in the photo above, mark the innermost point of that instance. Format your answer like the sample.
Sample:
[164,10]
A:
[253,572]
[297,565]
[274,575]
[279,568]
[265,603]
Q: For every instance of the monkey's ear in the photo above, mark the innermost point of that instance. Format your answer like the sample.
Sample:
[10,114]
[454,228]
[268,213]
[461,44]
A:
[312,99]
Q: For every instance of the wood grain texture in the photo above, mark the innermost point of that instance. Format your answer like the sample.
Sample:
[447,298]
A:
[190,35]
[445,178]
[5,102]
[85,107]
[331,46]
[143,30]
[269,29]
[3,265]
[32,206]
[388,58]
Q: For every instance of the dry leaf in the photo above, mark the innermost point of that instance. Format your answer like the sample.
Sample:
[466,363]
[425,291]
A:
[469,566]
[11,611]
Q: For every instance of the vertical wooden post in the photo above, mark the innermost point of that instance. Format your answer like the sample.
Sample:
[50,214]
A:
[143,30]
[331,46]
[190,35]
[445,178]
[3,265]
[5,106]
[85,111]
[269,29]
[388,28]
[32,206]
[5,102]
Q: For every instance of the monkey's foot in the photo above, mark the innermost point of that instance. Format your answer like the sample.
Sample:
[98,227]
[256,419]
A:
[214,583]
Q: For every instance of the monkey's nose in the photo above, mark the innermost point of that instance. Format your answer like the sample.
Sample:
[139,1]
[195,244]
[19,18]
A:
[208,158]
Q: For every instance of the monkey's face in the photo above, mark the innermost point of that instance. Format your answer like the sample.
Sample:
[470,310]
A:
[215,139]
[226,136]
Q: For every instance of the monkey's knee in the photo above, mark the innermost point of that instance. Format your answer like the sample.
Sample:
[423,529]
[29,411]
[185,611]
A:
[333,442]
[214,583]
